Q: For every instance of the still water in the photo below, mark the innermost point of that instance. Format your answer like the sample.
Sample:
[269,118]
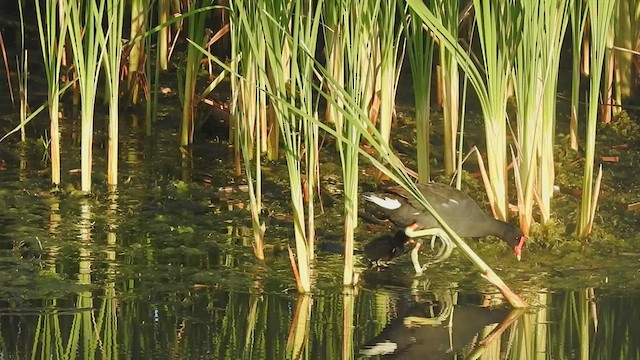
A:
[163,269]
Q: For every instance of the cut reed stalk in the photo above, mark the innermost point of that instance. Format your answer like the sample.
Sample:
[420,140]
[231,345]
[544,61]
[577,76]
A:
[627,33]
[163,35]
[136,47]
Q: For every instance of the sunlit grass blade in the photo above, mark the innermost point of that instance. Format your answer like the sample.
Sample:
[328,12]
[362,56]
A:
[536,68]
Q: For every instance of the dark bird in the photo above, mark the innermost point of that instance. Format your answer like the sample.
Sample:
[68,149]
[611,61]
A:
[456,208]
[386,247]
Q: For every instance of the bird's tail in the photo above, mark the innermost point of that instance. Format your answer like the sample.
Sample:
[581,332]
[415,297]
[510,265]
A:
[386,202]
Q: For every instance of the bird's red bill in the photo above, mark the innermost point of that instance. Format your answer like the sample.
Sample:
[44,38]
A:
[517,250]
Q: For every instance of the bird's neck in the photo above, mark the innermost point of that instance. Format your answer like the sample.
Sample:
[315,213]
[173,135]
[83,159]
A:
[498,229]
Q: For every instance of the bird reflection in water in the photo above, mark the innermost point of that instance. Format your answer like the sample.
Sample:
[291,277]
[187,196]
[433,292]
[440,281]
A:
[433,330]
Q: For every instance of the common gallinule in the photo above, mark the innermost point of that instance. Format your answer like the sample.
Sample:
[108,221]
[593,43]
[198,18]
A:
[386,247]
[456,208]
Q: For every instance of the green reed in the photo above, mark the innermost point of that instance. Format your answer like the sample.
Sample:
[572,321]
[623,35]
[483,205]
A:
[52,29]
[537,57]
[359,41]
[600,15]
[84,23]
[196,32]
[578,19]
[391,53]
[112,61]
[22,67]
[497,41]
[334,27]
[449,78]
[245,108]
[420,52]
[556,19]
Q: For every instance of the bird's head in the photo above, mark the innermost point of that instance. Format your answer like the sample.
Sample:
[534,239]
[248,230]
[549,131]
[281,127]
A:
[513,236]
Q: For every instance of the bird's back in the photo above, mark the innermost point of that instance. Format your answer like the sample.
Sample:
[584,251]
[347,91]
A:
[455,207]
